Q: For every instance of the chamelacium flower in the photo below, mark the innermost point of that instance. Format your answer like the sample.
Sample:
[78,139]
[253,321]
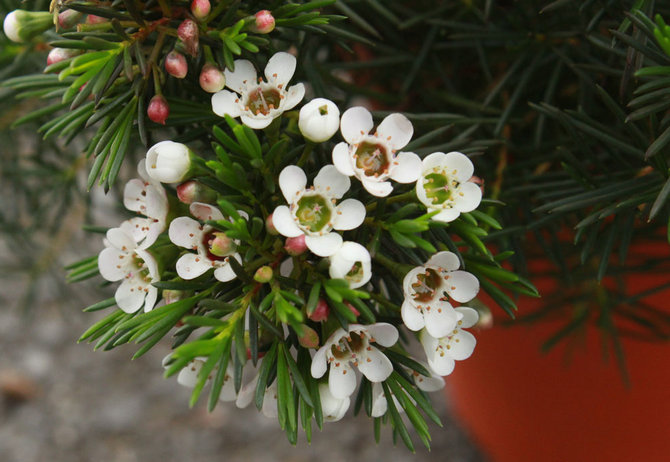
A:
[258,103]
[248,390]
[188,377]
[428,384]
[345,349]
[169,162]
[213,248]
[314,211]
[352,263]
[333,408]
[123,259]
[147,197]
[457,345]
[374,158]
[444,186]
[428,289]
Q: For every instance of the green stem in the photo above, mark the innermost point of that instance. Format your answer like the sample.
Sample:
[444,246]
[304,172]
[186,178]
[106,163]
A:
[404,197]
[397,269]
[309,147]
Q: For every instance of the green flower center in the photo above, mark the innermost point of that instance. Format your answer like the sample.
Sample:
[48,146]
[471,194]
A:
[355,274]
[426,286]
[348,346]
[314,212]
[141,268]
[261,101]
[218,245]
[440,188]
[372,158]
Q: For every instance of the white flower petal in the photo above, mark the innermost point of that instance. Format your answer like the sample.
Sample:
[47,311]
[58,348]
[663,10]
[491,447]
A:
[137,227]
[446,215]
[225,273]
[356,122]
[157,205]
[319,362]
[459,165]
[440,319]
[112,263]
[443,365]
[247,392]
[244,74]
[396,130]
[333,408]
[433,160]
[151,264]
[377,188]
[269,408]
[188,376]
[205,212]
[429,384]
[331,182]
[470,316]
[323,246]
[134,195]
[292,181]
[257,122]
[412,316]
[462,345]
[280,68]
[349,214]
[150,299]
[342,159]
[185,232]
[121,239]
[446,260]
[226,102]
[406,168]
[467,197]
[190,266]
[379,403]
[410,278]
[462,286]
[374,365]
[284,223]
[294,95]
[155,230]
[130,296]
[384,333]
[341,380]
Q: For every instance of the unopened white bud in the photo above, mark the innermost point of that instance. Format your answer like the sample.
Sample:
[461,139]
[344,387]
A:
[319,120]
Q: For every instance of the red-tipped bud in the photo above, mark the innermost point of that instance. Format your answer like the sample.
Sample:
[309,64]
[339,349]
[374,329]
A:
[263,274]
[295,245]
[321,311]
[93,19]
[175,64]
[270,226]
[200,8]
[212,79]
[188,33]
[158,110]
[171,296]
[57,55]
[194,191]
[309,337]
[264,22]
[68,19]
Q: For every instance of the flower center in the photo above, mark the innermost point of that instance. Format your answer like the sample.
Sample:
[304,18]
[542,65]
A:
[372,158]
[426,286]
[347,347]
[218,245]
[439,188]
[141,270]
[355,274]
[261,101]
[314,212]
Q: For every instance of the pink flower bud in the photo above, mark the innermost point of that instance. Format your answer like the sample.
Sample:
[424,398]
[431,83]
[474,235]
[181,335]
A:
[57,55]
[200,8]
[212,79]
[188,33]
[321,311]
[93,19]
[194,191]
[158,110]
[308,338]
[220,245]
[270,226]
[265,22]
[68,18]
[295,245]
[263,274]
[175,64]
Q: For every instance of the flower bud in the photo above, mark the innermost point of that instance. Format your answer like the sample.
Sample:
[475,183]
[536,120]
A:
[212,79]
[175,64]
[295,245]
[169,162]
[270,226]
[171,295]
[188,33]
[319,120]
[21,25]
[69,18]
[352,309]
[264,22]
[57,55]
[194,191]
[221,245]
[200,8]
[93,19]
[263,274]
[158,110]
[321,311]
[309,337]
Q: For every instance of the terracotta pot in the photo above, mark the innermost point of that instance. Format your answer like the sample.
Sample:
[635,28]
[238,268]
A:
[570,404]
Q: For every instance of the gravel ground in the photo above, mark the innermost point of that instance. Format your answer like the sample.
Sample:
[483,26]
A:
[60,401]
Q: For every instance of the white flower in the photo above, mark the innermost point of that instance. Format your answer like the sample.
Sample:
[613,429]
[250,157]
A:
[11,27]
[147,197]
[214,249]
[21,25]
[444,186]
[258,103]
[351,262]
[248,392]
[353,347]
[428,384]
[313,211]
[319,120]
[168,162]
[379,404]
[123,259]
[425,304]
[188,377]
[373,158]
[458,345]
[333,408]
